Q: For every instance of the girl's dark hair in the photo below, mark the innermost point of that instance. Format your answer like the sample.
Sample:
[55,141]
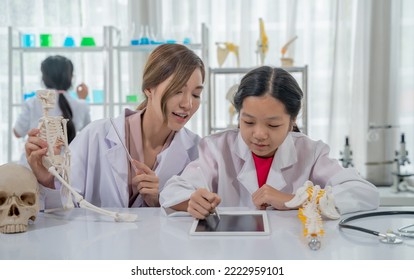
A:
[275,82]
[57,73]
[169,60]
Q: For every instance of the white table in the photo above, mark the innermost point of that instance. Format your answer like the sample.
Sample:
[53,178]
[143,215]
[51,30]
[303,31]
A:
[390,198]
[80,234]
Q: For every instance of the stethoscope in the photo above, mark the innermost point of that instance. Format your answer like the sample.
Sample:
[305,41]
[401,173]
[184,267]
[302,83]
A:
[391,237]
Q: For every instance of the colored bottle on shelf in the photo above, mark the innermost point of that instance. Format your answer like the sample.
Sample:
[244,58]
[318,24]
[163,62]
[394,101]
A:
[88,42]
[46,40]
[69,42]
[28,40]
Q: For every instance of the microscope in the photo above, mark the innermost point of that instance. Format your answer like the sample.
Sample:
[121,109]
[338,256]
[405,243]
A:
[401,158]
[346,155]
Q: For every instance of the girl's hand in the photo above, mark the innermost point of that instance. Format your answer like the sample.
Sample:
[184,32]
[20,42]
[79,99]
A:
[268,196]
[36,149]
[147,184]
[202,203]
[82,91]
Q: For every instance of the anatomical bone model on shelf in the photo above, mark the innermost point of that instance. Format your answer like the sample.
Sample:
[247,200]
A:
[262,42]
[313,203]
[53,131]
[223,50]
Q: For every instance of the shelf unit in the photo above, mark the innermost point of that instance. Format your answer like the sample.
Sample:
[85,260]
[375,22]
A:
[215,101]
[112,71]
[20,54]
[123,79]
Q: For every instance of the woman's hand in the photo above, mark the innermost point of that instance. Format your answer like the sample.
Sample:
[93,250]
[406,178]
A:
[36,149]
[268,196]
[147,184]
[202,203]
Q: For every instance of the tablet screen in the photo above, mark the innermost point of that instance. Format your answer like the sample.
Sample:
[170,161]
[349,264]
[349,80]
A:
[234,223]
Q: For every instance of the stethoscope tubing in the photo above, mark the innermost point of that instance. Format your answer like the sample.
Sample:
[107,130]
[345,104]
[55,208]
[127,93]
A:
[343,222]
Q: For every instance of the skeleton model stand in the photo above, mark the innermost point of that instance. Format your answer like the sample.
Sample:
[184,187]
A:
[314,202]
[53,131]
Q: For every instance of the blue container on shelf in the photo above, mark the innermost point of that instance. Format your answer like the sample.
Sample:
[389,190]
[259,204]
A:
[134,42]
[98,96]
[69,42]
[144,41]
[28,40]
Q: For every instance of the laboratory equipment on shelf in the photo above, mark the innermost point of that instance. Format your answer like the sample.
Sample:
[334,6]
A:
[346,154]
[399,177]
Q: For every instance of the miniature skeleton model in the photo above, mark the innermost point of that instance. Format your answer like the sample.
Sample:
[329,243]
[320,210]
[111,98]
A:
[313,203]
[53,131]
[19,198]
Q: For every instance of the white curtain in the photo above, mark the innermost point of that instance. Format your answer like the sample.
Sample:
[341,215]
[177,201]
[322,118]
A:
[359,56]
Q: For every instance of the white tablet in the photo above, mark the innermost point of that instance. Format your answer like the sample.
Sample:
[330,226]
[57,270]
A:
[234,223]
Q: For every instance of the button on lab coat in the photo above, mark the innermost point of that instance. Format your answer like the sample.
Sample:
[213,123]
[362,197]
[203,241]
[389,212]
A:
[99,164]
[228,168]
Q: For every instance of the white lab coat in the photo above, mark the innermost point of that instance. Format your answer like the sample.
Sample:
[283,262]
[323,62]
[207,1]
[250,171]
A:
[99,164]
[228,168]
[32,111]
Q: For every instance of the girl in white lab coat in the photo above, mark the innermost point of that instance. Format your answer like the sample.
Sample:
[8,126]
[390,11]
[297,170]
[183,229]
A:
[57,74]
[266,160]
[154,136]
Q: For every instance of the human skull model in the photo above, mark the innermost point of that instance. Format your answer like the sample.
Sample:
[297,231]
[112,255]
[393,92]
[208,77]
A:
[19,198]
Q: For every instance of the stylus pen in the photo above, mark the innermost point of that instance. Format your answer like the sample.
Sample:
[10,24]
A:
[123,145]
[207,186]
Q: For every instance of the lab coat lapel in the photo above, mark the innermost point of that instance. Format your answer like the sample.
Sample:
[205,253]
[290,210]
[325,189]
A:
[247,176]
[285,156]
[172,160]
[117,158]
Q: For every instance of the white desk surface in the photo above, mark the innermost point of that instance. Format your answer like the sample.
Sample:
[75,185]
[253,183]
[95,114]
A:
[80,234]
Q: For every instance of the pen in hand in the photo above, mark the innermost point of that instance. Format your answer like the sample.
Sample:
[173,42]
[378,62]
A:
[206,185]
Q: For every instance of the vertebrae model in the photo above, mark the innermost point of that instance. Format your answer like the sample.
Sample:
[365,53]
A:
[313,203]
[57,159]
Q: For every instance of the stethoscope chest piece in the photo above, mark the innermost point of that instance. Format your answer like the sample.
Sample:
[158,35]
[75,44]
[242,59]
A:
[390,238]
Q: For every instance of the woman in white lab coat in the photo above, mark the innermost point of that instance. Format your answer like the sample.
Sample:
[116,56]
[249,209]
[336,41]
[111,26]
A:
[154,136]
[266,160]
[57,74]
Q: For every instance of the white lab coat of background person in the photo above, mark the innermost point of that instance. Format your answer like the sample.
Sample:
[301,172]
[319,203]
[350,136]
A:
[228,167]
[32,111]
[99,164]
